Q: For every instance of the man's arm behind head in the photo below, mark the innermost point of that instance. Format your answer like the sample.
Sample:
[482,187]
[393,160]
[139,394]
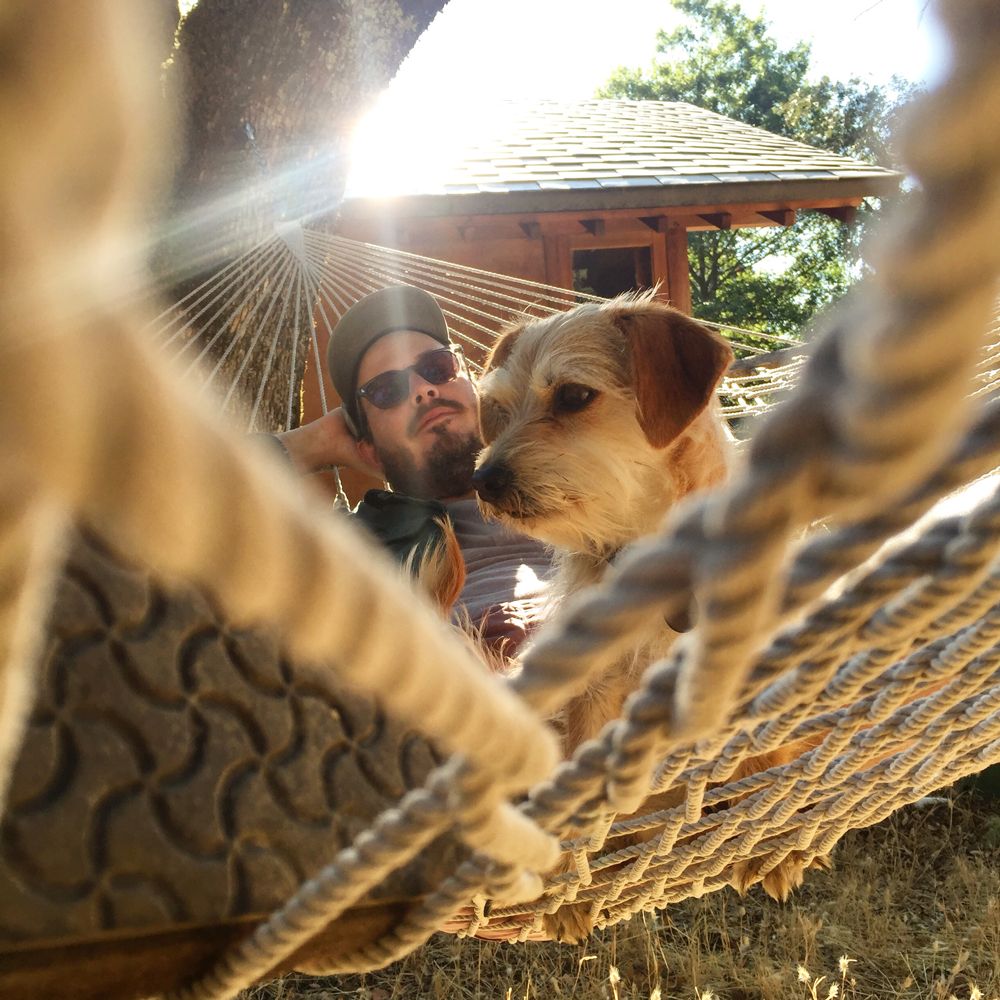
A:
[324,443]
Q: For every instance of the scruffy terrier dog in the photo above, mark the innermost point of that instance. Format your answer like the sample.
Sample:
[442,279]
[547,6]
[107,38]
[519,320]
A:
[596,422]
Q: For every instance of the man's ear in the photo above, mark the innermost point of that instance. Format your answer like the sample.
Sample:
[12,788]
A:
[502,346]
[676,365]
[367,452]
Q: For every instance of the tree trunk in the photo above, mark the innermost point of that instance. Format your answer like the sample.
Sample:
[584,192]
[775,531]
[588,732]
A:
[296,75]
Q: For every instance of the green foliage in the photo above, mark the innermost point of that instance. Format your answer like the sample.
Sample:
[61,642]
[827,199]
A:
[726,61]
[721,60]
[729,286]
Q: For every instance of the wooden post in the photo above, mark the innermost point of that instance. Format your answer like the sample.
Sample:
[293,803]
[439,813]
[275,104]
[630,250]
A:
[658,258]
[558,261]
[678,277]
[643,267]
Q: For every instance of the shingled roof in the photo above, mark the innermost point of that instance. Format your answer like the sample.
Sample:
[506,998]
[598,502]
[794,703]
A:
[538,156]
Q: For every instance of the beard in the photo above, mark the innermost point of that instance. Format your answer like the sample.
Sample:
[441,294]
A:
[445,472]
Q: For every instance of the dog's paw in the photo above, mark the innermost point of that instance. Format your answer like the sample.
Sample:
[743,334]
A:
[781,881]
[570,924]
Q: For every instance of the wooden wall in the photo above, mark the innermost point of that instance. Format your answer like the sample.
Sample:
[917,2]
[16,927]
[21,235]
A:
[540,246]
[518,257]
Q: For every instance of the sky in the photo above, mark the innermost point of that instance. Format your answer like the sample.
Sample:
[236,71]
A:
[567,48]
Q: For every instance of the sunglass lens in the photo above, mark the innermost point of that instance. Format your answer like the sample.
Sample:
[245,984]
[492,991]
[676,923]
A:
[437,368]
[388,389]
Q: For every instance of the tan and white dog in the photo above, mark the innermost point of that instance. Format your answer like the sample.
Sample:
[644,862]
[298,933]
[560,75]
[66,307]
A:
[596,422]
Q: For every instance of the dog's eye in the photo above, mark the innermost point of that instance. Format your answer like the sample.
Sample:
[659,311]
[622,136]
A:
[572,397]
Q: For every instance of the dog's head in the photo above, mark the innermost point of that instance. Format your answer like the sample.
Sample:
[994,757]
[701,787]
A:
[582,413]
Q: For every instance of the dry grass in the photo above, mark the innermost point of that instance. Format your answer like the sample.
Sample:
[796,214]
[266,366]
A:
[913,902]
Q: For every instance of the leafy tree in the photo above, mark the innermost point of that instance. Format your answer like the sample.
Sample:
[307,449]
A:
[722,60]
[727,61]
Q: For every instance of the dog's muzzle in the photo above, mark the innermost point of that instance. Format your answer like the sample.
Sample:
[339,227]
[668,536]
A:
[493,482]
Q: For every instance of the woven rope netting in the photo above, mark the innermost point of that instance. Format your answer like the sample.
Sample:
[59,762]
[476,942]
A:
[853,667]
[252,332]
[883,645]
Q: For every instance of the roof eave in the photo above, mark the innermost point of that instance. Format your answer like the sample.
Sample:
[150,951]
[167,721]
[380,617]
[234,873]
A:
[657,196]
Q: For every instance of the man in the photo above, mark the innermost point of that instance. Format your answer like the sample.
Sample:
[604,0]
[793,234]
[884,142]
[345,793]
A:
[409,415]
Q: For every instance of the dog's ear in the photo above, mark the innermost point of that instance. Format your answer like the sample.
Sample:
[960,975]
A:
[676,364]
[502,346]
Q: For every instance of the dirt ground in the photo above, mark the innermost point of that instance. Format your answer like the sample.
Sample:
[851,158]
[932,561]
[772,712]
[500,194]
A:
[911,910]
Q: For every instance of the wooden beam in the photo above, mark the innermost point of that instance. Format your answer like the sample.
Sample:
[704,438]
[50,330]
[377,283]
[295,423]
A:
[596,227]
[678,277]
[721,220]
[355,227]
[126,965]
[783,216]
[658,223]
[533,230]
[482,233]
[847,214]
[421,229]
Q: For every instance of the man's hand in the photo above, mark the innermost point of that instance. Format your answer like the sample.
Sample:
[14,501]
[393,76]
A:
[326,442]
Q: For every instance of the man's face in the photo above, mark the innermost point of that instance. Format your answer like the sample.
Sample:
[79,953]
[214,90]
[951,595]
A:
[427,444]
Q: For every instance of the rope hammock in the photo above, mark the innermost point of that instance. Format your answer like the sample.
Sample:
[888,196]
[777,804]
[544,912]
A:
[891,651]
[823,673]
[274,303]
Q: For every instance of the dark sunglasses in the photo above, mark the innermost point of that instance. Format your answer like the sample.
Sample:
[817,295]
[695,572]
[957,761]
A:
[390,388]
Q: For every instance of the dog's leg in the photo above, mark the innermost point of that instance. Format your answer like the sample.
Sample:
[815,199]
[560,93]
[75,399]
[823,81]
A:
[584,716]
[786,877]
[572,923]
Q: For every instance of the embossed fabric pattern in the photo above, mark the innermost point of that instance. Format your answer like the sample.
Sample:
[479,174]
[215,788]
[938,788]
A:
[175,770]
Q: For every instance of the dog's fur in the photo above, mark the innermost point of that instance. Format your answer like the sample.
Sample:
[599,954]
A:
[439,570]
[589,480]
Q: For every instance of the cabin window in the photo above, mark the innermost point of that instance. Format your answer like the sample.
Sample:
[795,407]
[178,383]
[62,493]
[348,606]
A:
[609,272]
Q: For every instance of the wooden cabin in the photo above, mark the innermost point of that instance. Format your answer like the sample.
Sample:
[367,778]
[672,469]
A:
[601,193]
[594,195]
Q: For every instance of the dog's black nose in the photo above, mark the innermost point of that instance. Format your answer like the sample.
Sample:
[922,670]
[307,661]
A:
[492,481]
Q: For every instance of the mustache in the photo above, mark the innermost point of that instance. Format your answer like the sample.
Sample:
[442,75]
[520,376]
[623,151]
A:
[414,424]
